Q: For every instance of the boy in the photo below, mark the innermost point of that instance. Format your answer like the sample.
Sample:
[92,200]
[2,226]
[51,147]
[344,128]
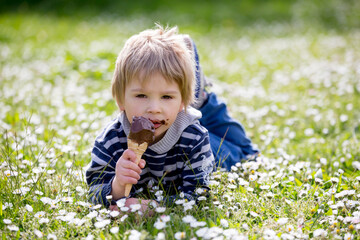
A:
[154,78]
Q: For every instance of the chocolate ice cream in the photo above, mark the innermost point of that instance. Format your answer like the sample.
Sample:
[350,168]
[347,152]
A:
[142,130]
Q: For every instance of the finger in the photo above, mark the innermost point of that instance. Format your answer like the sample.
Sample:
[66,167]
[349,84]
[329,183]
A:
[129,165]
[132,156]
[129,173]
[123,180]
[142,163]
[129,155]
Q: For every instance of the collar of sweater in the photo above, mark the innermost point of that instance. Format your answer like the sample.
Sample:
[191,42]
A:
[173,134]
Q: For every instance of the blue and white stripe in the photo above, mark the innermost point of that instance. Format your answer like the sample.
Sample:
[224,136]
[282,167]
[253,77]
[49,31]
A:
[182,160]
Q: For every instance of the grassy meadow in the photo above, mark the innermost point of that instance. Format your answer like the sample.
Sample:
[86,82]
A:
[289,72]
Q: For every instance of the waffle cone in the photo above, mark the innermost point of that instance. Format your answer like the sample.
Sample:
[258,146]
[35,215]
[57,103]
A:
[139,150]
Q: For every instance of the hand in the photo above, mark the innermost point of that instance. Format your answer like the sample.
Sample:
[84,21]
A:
[126,170]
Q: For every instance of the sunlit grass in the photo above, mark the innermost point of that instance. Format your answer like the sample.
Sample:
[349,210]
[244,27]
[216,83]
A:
[297,95]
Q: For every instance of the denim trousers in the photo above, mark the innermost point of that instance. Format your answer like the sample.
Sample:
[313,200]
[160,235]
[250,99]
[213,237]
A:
[228,139]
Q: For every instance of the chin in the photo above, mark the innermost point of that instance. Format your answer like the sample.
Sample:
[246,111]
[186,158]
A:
[159,135]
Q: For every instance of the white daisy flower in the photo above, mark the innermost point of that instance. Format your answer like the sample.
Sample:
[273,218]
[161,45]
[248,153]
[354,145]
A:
[160,209]
[180,235]
[7,221]
[114,214]
[224,223]
[114,230]
[51,236]
[188,219]
[38,233]
[135,207]
[159,224]
[13,228]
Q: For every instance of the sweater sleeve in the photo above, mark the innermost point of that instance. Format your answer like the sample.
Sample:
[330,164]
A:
[199,164]
[101,170]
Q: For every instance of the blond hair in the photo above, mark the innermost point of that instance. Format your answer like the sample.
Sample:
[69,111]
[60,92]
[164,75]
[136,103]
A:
[152,51]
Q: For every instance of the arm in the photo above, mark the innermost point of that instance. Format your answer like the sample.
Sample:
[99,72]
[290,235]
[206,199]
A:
[100,173]
[111,168]
[198,167]
[127,171]
[199,164]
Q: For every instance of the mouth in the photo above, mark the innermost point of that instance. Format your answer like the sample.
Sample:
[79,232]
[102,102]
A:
[158,123]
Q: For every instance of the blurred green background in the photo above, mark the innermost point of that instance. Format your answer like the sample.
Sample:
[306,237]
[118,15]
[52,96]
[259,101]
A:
[88,29]
[288,70]
[205,15]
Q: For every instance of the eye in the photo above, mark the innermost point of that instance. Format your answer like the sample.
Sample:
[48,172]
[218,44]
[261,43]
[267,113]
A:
[141,96]
[167,97]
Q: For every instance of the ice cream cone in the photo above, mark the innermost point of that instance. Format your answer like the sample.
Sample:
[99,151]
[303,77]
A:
[139,150]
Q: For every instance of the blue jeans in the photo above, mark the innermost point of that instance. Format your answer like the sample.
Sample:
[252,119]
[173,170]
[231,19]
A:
[228,139]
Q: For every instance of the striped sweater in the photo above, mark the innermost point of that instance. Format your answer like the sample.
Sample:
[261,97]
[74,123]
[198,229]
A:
[180,162]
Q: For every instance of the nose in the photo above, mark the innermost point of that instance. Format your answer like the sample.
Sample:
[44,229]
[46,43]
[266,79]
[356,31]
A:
[154,107]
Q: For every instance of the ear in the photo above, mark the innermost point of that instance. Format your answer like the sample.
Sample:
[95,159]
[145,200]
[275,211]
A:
[181,106]
[121,106]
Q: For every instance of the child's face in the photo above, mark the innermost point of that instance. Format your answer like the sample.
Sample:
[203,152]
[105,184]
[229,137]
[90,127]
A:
[156,99]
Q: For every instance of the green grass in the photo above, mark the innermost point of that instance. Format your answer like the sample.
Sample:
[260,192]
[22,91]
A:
[291,79]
